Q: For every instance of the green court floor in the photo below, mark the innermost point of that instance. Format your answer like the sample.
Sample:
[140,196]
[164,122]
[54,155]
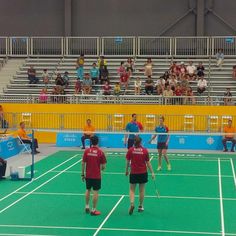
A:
[198,197]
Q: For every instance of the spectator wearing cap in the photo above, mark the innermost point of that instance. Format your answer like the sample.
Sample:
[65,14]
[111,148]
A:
[229,131]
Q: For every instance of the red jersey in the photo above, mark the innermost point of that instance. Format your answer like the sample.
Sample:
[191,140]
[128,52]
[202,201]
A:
[93,157]
[138,156]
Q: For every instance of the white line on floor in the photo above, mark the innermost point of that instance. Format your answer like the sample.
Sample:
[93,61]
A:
[37,178]
[41,185]
[109,214]
[221,201]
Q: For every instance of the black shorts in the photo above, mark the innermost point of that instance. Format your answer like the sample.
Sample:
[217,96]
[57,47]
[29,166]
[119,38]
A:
[162,146]
[138,178]
[93,183]
[130,143]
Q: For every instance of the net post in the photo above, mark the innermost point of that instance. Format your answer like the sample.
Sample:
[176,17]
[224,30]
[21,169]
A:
[32,151]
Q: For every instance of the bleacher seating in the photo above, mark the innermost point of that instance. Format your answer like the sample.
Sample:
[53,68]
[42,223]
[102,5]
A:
[219,79]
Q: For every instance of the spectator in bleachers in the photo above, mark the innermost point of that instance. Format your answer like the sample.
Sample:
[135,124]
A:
[168,93]
[77,87]
[174,69]
[182,70]
[66,79]
[220,58]
[148,67]
[32,76]
[117,89]
[106,88]
[59,81]
[124,76]
[45,77]
[234,72]
[94,74]
[227,97]
[103,74]
[200,69]
[178,92]
[149,85]
[160,85]
[129,66]
[172,81]
[201,85]
[80,67]
[184,81]
[102,62]
[189,96]
[137,86]
[43,97]
[191,71]
[87,84]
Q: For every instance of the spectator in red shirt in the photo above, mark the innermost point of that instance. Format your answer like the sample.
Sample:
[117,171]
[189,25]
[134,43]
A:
[138,160]
[93,162]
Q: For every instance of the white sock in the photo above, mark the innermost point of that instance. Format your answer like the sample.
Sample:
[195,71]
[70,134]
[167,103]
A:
[87,206]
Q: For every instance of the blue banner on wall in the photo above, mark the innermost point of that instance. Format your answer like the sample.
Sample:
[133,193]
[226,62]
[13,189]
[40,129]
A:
[9,148]
[194,142]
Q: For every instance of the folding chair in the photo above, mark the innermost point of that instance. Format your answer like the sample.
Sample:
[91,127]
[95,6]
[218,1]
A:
[24,147]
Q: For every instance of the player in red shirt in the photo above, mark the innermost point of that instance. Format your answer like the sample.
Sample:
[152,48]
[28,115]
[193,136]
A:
[138,159]
[93,162]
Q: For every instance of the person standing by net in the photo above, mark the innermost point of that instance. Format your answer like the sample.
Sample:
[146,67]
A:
[162,143]
[133,127]
[94,161]
[137,158]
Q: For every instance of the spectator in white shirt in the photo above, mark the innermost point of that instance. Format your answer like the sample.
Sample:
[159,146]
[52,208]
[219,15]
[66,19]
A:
[191,70]
[160,85]
[201,85]
[219,58]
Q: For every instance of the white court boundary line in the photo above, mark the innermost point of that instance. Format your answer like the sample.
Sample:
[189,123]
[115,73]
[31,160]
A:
[126,195]
[233,171]
[41,185]
[114,229]
[108,216]
[221,201]
[3,198]
[161,174]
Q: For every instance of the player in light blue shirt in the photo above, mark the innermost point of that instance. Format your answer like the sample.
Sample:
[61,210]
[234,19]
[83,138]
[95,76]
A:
[133,127]
[162,143]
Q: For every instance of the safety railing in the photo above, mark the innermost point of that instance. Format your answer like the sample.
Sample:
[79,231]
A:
[122,99]
[3,46]
[46,46]
[117,46]
[108,122]
[89,46]
[227,44]
[123,46]
[191,46]
[154,46]
[19,46]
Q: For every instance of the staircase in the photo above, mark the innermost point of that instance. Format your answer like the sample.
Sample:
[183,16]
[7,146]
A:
[8,71]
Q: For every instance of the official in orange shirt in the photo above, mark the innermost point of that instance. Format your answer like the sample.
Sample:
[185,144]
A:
[26,139]
[88,132]
[229,131]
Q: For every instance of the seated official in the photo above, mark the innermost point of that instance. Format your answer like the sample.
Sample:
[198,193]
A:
[229,131]
[26,139]
[3,166]
[88,132]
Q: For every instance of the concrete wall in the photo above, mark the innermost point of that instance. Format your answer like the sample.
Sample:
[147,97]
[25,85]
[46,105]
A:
[113,17]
